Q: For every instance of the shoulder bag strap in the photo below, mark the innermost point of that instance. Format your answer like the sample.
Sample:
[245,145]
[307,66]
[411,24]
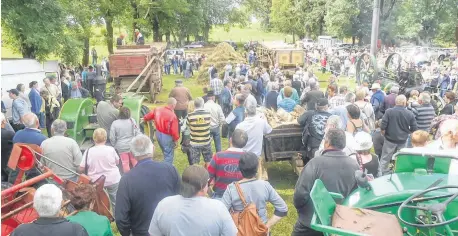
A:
[86,166]
[134,126]
[239,191]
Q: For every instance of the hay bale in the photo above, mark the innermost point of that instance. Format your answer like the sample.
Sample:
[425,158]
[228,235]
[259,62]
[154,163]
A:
[221,55]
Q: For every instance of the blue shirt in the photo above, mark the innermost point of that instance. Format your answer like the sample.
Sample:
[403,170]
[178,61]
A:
[29,136]
[84,75]
[287,104]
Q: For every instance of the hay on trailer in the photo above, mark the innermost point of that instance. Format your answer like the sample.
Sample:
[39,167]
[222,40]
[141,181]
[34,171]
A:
[221,55]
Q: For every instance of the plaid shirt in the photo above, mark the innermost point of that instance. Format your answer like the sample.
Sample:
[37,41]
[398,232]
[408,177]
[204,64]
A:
[216,85]
[336,101]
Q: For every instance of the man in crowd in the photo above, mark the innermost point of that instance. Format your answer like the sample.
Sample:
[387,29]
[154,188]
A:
[142,188]
[311,97]
[7,146]
[424,114]
[237,115]
[335,122]
[340,180]
[191,213]
[341,110]
[107,112]
[338,99]
[226,98]
[377,100]
[19,108]
[47,202]
[90,80]
[166,124]
[78,92]
[271,97]
[223,167]
[37,103]
[217,119]
[183,96]
[390,100]
[256,127]
[52,88]
[314,123]
[63,151]
[217,86]
[397,124]
[199,124]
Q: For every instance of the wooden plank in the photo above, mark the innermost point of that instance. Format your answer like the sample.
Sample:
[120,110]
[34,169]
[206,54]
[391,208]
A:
[138,77]
[146,78]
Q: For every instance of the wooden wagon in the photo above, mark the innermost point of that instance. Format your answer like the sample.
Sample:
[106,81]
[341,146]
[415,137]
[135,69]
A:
[286,55]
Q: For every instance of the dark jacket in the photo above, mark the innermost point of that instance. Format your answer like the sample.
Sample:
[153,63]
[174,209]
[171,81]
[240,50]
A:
[377,140]
[239,113]
[7,146]
[271,100]
[314,123]
[50,226]
[139,192]
[335,169]
[377,101]
[398,123]
[388,102]
[449,109]
[311,98]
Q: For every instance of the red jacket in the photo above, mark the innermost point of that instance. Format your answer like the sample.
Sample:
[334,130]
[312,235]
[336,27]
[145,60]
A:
[165,121]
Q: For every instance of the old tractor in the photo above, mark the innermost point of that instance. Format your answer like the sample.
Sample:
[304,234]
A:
[80,115]
[394,71]
[17,199]
[138,69]
[419,198]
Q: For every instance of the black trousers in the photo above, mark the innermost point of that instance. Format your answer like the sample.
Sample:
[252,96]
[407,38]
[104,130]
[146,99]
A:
[49,121]
[302,230]
[180,115]
[90,86]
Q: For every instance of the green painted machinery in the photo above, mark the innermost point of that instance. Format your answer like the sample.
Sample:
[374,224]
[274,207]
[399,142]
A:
[80,115]
[420,197]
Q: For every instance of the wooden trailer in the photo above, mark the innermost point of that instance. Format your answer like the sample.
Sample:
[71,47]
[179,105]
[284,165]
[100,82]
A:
[286,55]
[138,68]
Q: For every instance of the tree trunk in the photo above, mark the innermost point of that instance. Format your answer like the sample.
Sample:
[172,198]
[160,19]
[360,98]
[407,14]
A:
[86,50]
[206,31]
[294,37]
[167,36]
[28,52]
[109,36]
[187,38]
[353,39]
[321,25]
[156,33]
[136,16]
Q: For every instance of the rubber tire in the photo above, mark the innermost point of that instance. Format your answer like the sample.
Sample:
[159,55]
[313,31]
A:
[143,111]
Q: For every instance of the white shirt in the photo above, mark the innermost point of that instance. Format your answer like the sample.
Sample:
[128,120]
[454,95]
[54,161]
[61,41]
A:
[349,147]
[216,113]
[255,127]
[437,144]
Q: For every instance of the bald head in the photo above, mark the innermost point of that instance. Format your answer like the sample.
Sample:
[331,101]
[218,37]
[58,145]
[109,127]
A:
[401,100]
[172,102]
[30,120]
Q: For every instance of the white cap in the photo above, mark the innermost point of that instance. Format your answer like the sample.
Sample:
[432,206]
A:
[363,141]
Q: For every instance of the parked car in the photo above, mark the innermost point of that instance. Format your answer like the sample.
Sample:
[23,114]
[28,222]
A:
[199,44]
[252,45]
[234,45]
[308,43]
[175,52]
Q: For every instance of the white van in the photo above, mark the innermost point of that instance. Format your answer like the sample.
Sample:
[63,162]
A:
[328,41]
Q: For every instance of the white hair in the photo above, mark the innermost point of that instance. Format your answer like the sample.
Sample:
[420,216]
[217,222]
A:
[47,200]
[394,89]
[449,126]
[250,107]
[59,127]
[400,100]
[30,120]
[199,102]
[334,121]
[141,145]
[425,98]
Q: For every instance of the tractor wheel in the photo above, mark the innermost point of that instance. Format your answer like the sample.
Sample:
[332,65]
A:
[366,69]
[146,128]
[441,59]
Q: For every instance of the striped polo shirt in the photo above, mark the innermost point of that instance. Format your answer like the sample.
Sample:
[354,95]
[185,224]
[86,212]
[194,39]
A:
[224,169]
[424,116]
[198,123]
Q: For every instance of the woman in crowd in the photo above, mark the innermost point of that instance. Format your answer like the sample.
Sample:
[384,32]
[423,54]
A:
[52,107]
[438,121]
[121,133]
[83,198]
[369,163]
[255,191]
[450,99]
[355,124]
[365,107]
[102,160]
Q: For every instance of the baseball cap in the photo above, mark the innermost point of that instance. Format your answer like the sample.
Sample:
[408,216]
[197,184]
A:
[322,102]
[13,91]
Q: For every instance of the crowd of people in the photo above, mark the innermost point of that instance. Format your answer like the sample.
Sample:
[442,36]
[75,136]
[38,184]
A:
[341,127]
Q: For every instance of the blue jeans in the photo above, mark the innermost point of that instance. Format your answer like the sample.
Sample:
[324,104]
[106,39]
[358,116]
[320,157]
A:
[167,146]
[216,134]
[41,119]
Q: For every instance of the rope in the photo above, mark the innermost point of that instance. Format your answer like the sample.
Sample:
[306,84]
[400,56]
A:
[73,172]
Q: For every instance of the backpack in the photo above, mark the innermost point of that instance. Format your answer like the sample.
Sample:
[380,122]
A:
[365,118]
[247,221]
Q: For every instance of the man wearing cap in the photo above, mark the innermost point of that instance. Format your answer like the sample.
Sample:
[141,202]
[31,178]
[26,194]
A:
[18,109]
[183,96]
[139,38]
[314,123]
[377,100]
[216,121]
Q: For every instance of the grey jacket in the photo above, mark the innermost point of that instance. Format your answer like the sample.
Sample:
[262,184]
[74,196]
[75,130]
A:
[335,169]
[121,134]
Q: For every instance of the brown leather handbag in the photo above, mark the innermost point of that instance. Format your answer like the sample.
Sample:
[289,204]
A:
[248,221]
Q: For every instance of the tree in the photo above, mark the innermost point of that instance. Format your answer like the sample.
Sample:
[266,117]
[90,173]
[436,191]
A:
[261,9]
[340,17]
[35,28]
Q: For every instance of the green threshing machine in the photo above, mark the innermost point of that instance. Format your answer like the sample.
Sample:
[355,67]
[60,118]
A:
[419,198]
